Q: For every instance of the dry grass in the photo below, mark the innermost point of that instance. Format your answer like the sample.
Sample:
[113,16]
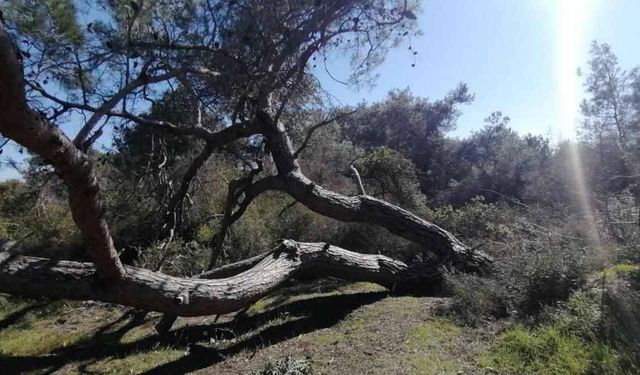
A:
[342,328]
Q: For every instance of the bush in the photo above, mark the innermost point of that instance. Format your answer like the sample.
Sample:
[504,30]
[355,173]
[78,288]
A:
[620,324]
[287,366]
[477,220]
[542,277]
[523,285]
[580,315]
[39,220]
[476,298]
[594,332]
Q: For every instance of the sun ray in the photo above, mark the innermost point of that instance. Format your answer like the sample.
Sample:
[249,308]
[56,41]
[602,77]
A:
[571,21]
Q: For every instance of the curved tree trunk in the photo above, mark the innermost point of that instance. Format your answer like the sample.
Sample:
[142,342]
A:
[154,291]
[25,126]
[364,208]
[229,289]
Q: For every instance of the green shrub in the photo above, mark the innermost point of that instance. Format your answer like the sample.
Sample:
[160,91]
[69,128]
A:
[580,315]
[39,220]
[388,175]
[522,286]
[542,277]
[594,332]
[620,324]
[476,299]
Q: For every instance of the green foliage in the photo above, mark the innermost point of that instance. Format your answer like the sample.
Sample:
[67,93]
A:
[581,315]
[621,306]
[593,332]
[287,366]
[479,220]
[51,20]
[476,299]
[539,277]
[41,221]
[547,350]
[497,163]
[537,265]
[328,158]
[389,175]
[256,231]
[414,127]
[523,286]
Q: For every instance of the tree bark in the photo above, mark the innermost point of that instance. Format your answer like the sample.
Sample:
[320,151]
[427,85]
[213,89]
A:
[364,208]
[20,123]
[155,291]
[236,287]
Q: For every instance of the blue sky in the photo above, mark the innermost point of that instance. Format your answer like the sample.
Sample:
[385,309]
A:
[513,54]
[507,52]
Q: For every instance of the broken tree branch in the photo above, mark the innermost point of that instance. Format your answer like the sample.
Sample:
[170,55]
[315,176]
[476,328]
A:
[154,291]
[356,177]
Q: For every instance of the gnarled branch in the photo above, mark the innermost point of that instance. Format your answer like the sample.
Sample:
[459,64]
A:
[363,208]
[20,123]
[249,191]
[153,291]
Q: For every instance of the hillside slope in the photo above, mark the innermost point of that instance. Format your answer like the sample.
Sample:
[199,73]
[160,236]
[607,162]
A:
[339,328]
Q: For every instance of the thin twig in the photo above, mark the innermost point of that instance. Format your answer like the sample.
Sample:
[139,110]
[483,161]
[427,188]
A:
[317,126]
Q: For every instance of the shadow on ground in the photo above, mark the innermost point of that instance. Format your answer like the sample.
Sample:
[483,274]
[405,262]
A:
[16,316]
[205,344]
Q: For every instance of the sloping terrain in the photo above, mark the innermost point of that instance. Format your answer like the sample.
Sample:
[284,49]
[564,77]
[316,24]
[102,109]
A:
[341,329]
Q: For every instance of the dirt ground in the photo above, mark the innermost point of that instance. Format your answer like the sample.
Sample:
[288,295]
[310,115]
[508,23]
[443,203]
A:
[340,328]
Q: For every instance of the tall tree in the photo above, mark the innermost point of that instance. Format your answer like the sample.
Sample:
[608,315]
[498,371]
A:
[497,163]
[413,126]
[611,129]
[246,61]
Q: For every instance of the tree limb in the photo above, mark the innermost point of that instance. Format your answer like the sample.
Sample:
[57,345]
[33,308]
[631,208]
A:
[20,123]
[315,127]
[177,198]
[104,109]
[250,190]
[356,177]
[363,208]
[154,291]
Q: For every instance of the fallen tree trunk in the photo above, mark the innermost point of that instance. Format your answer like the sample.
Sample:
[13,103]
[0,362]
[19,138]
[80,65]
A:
[233,268]
[370,210]
[364,208]
[234,288]
[153,291]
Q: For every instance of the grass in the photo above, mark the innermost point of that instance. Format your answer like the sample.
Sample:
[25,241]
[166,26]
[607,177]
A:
[433,346]
[341,328]
[37,328]
[136,363]
[37,340]
[620,269]
[547,350]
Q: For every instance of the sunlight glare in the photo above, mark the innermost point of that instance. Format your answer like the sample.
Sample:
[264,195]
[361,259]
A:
[572,20]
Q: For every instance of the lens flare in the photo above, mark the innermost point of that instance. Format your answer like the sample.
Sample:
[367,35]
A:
[571,31]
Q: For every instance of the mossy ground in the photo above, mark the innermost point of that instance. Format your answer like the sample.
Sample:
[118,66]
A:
[341,328]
